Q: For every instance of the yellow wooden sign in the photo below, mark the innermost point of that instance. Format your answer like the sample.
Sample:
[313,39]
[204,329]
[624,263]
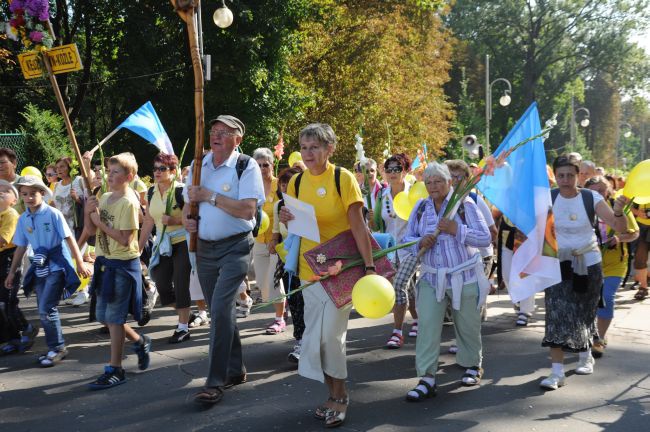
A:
[64,59]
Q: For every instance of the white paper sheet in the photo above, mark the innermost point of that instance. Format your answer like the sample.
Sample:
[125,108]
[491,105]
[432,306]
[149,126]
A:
[304,224]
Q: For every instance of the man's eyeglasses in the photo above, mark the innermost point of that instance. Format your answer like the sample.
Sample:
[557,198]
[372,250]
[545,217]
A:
[221,133]
[264,165]
[50,174]
[459,177]
[161,168]
[394,169]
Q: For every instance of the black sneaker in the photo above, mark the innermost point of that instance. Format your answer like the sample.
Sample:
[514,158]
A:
[179,336]
[112,377]
[142,349]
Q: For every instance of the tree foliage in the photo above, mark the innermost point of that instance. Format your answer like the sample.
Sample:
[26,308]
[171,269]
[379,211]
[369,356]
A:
[369,65]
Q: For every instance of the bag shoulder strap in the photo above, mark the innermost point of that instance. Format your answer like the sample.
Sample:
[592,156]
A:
[150,194]
[242,163]
[337,181]
[588,201]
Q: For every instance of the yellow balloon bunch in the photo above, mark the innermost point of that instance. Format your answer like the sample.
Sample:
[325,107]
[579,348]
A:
[373,296]
[264,224]
[402,205]
[417,192]
[637,185]
[33,171]
[294,157]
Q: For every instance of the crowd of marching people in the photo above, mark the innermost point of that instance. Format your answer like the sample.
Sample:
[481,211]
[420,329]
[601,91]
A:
[122,247]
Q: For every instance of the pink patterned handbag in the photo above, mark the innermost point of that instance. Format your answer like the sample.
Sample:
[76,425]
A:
[344,248]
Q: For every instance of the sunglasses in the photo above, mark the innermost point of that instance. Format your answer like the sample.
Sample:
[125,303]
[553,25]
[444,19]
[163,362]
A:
[264,165]
[222,133]
[50,174]
[161,168]
[394,169]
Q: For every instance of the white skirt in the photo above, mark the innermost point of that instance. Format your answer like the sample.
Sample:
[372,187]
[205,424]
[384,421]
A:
[323,343]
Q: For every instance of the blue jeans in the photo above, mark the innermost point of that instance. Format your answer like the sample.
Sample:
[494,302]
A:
[116,311]
[48,293]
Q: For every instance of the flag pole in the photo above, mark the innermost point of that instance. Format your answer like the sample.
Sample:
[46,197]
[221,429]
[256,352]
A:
[187,10]
[64,113]
[102,142]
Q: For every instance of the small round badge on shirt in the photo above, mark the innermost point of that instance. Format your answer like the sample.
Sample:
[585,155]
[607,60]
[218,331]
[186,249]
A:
[573,216]
[321,192]
[30,230]
[226,187]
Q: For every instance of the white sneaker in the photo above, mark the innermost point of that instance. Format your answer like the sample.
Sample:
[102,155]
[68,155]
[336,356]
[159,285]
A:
[81,299]
[294,356]
[586,366]
[70,299]
[553,382]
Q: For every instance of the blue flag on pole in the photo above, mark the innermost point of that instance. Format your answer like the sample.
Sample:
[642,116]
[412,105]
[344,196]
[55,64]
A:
[521,190]
[145,122]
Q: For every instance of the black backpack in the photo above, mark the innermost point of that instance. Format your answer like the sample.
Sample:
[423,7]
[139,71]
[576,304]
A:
[240,167]
[178,195]
[587,200]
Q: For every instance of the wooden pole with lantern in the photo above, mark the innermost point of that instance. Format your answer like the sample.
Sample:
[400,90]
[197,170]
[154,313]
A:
[187,10]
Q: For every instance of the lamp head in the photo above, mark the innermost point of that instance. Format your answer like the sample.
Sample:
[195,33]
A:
[223,16]
[627,134]
[584,122]
[505,99]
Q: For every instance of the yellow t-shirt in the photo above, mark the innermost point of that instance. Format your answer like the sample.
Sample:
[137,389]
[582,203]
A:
[8,221]
[122,215]
[157,210]
[331,209]
[615,260]
[269,203]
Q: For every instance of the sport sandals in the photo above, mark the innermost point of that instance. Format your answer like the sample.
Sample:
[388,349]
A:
[420,394]
[395,341]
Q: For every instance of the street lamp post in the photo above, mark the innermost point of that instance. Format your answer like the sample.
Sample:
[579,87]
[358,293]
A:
[626,134]
[503,100]
[584,122]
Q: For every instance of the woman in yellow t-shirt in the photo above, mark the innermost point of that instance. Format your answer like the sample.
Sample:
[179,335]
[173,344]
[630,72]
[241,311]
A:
[265,259]
[615,256]
[170,262]
[338,208]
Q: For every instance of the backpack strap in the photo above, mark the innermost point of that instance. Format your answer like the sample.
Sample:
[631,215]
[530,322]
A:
[150,194]
[588,201]
[242,163]
[296,184]
[178,196]
[474,197]
[337,181]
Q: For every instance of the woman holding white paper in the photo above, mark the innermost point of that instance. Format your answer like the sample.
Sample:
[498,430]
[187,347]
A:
[336,197]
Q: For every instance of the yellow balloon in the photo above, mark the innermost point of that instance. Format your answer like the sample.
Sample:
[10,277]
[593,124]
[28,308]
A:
[264,224]
[282,252]
[294,157]
[638,182]
[402,205]
[84,283]
[373,296]
[410,178]
[417,192]
[30,170]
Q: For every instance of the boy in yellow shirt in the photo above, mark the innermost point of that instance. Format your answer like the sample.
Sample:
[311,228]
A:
[117,277]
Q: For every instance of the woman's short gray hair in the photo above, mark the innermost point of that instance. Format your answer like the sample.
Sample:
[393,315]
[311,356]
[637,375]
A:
[434,169]
[321,132]
[263,153]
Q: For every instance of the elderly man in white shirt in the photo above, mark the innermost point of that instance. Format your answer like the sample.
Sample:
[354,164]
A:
[230,191]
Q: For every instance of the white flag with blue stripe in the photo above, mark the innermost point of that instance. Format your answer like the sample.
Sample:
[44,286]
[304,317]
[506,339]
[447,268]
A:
[521,190]
[145,122]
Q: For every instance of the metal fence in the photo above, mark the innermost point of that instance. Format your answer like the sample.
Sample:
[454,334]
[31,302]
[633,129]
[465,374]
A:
[17,141]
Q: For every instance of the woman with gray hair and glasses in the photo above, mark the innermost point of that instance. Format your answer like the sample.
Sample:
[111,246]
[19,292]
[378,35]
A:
[451,272]
[336,197]
[265,258]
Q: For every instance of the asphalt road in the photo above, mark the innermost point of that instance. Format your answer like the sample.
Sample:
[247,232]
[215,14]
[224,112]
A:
[615,398]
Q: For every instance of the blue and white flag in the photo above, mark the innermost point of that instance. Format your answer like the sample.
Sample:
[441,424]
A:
[145,122]
[521,190]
